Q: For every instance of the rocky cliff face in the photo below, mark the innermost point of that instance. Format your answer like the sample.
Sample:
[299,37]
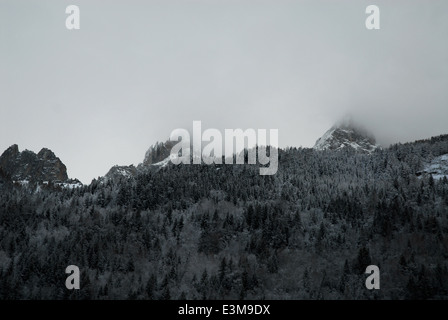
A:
[158,152]
[117,172]
[347,134]
[29,166]
[156,157]
[3,177]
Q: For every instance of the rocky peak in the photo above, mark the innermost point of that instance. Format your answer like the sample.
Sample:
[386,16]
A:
[156,157]
[46,154]
[27,165]
[347,134]
[117,172]
[158,152]
[12,151]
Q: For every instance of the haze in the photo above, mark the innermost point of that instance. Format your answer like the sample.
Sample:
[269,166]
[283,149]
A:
[136,70]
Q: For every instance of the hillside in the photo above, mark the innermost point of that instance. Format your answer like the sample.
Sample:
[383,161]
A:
[206,232]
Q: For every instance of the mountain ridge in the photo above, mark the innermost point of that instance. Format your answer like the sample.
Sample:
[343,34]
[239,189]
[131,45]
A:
[45,166]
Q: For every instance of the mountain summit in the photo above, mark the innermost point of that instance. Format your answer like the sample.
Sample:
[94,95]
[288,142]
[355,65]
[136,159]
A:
[156,157]
[347,134]
[158,152]
[27,165]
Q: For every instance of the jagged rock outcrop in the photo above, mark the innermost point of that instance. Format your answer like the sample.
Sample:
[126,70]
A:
[158,152]
[32,167]
[116,172]
[156,157]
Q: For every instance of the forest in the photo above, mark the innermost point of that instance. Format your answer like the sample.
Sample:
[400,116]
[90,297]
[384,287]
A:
[225,232]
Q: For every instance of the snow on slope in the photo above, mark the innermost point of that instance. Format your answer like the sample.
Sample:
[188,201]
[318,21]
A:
[163,163]
[438,167]
[343,135]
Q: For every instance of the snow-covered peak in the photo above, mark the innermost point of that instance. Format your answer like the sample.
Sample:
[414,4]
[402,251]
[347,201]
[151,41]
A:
[346,134]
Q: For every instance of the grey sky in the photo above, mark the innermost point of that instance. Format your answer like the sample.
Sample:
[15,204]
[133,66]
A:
[136,70]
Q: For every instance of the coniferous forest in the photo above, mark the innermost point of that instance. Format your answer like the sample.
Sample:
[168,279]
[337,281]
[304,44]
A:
[225,232]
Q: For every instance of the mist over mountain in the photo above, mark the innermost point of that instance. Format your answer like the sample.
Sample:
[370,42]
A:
[156,157]
[158,152]
[347,134]
[225,232]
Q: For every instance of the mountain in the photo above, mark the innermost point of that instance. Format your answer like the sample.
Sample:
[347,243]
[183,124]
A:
[156,157]
[116,172]
[29,166]
[158,152]
[195,232]
[347,134]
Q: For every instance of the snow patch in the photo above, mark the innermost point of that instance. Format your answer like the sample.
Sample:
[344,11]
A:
[438,167]
[164,162]
[22,182]
[69,185]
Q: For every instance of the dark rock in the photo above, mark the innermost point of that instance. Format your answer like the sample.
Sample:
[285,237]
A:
[158,152]
[27,165]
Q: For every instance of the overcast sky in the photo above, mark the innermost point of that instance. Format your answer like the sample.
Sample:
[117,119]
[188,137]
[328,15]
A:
[136,70]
